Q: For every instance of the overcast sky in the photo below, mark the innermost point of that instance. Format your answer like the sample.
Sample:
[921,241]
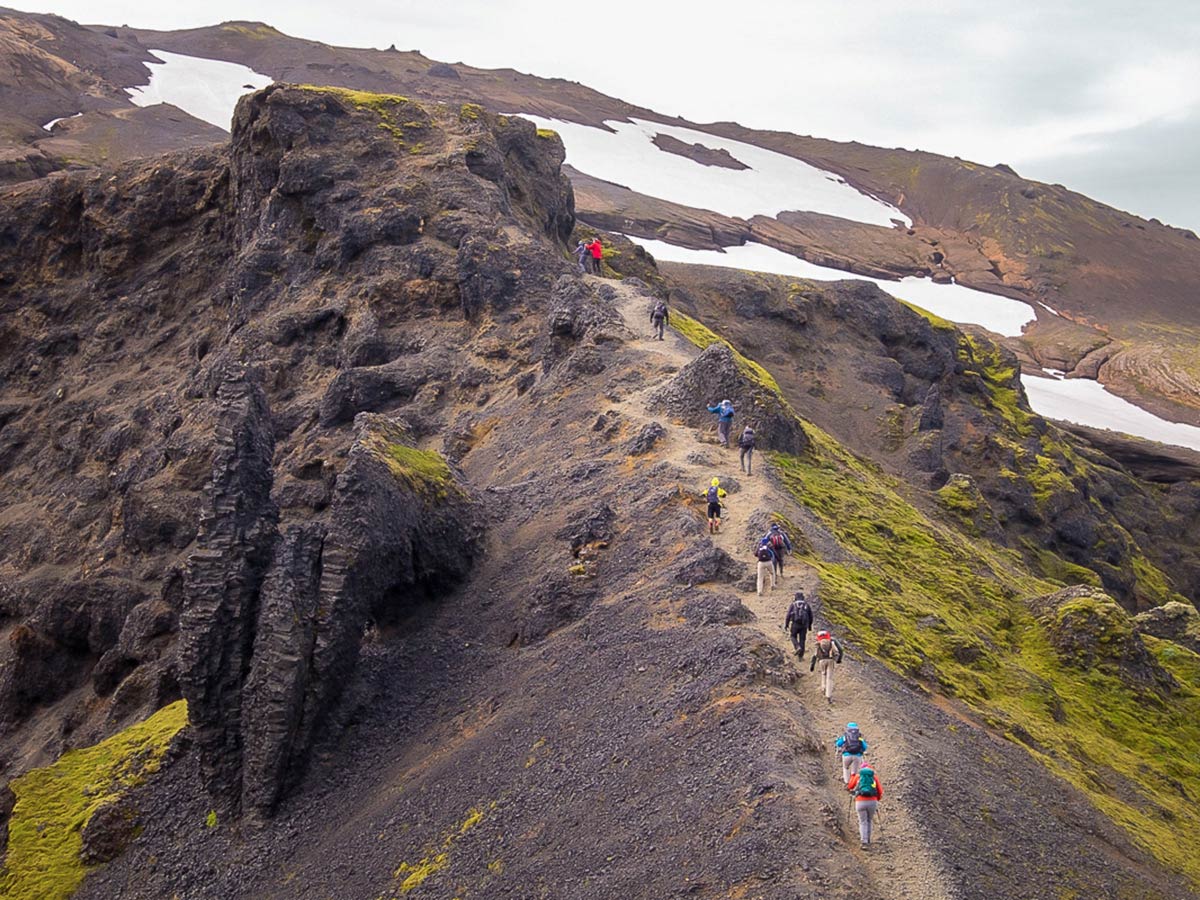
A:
[1099,95]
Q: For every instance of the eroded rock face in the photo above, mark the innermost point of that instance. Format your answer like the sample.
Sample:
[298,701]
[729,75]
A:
[223,522]
[716,375]
[1176,622]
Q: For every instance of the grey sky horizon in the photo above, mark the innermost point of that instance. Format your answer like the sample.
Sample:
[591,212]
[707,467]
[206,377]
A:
[1101,96]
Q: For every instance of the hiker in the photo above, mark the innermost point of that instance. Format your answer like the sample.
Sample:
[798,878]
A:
[798,620]
[724,413]
[714,494]
[852,746]
[827,653]
[581,254]
[864,786]
[746,446]
[597,251]
[780,544]
[660,317]
[766,565]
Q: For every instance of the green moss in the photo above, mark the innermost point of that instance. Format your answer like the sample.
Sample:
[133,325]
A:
[386,106]
[948,609]
[986,360]
[410,876]
[703,337]
[210,821]
[935,320]
[546,133]
[422,470]
[54,803]
[470,112]
[958,500]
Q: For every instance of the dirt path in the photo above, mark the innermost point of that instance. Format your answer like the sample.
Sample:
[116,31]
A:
[900,862]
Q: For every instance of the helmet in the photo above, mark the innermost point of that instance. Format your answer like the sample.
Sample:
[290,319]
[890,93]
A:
[821,635]
[774,526]
[852,726]
[727,403]
[716,481]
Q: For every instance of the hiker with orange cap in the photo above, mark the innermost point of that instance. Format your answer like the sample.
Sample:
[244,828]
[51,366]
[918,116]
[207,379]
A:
[714,494]
[828,651]
[864,786]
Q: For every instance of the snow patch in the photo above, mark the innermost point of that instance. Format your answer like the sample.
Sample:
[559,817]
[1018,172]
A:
[1087,402]
[774,183]
[49,126]
[950,301]
[208,89]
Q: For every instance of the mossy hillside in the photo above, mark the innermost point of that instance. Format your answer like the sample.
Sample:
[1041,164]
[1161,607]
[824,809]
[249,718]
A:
[703,337]
[411,875]
[950,611]
[54,803]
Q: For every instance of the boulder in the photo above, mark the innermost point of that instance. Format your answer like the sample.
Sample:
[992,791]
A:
[1178,622]
[718,374]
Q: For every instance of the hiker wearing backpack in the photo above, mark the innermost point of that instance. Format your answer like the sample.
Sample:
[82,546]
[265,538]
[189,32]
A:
[746,446]
[597,251]
[581,255]
[780,543]
[660,317]
[852,745]
[766,565]
[724,412]
[828,652]
[864,786]
[714,494]
[798,620]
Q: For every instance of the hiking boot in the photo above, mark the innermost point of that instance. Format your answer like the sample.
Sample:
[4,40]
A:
[865,845]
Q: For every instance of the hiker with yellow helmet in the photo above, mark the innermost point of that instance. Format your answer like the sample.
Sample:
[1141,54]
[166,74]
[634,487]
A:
[714,494]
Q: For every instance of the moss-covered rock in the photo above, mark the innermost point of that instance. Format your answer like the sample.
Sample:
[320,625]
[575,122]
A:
[55,806]
[1178,622]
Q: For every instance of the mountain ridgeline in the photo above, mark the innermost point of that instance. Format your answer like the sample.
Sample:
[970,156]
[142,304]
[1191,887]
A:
[322,433]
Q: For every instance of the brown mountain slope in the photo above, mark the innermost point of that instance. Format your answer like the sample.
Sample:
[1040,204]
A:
[1121,284]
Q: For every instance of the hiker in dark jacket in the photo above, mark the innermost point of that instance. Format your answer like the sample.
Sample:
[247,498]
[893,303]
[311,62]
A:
[746,446]
[766,562]
[828,651]
[780,543]
[660,317]
[799,619]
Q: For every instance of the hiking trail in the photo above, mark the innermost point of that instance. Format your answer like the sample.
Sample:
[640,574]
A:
[899,860]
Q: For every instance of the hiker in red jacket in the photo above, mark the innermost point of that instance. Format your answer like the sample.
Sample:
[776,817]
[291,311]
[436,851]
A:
[864,786]
[597,251]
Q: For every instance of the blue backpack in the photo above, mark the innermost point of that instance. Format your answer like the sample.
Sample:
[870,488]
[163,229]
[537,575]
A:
[714,494]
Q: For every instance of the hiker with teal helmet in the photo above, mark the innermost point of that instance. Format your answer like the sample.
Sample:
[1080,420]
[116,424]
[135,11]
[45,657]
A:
[852,745]
[864,786]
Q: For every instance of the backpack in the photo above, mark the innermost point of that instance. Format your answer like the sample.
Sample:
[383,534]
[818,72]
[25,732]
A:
[866,784]
[801,613]
[746,441]
[853,742]
[825,649]
[764,554]
[714,494]
[776,540]
[660,311]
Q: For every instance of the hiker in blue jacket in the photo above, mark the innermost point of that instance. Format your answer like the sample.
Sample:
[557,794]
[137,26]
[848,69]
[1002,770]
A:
[724,412]
[852,745]
[780,544]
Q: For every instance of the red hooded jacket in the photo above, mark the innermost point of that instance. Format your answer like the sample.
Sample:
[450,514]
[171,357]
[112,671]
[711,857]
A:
[597,249]
[878,787]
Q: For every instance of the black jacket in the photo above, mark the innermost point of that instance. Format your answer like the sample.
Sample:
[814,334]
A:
[799,616]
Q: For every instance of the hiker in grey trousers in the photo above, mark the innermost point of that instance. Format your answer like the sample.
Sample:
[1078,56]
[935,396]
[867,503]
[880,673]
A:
[866,804]
[581,254]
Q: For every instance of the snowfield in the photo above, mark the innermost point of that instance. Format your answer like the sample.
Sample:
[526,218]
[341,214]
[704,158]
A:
[1087,402]
[950,301]
[774,183]
[49,126]
[208,89]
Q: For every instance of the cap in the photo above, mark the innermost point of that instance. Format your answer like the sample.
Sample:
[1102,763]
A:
[716,481]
